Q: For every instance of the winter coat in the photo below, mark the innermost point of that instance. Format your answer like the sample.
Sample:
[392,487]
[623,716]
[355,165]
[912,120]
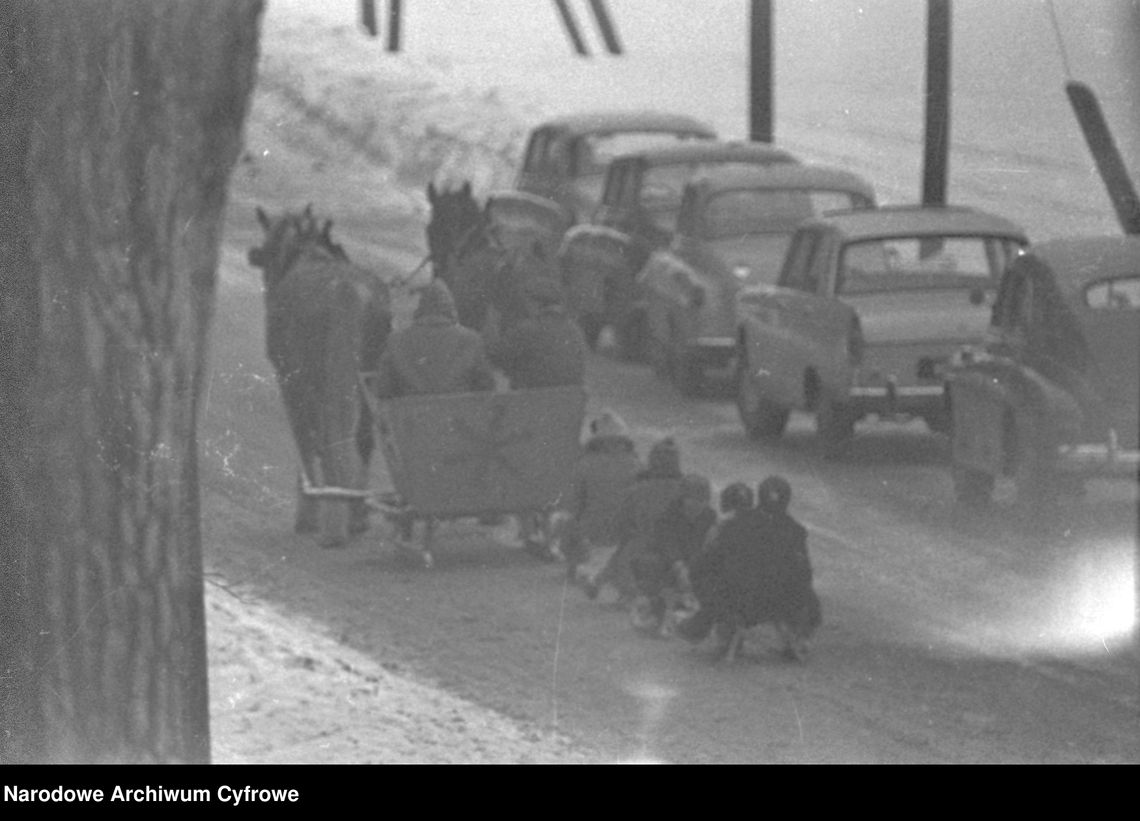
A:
[435,354]
[675,539]
[756,570]
[607,468]
[543,351]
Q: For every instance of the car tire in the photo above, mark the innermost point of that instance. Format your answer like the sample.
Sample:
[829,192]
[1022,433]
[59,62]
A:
[591,326]
[685,371]
[762,418]
[834,428]
[972,487]
[632,337]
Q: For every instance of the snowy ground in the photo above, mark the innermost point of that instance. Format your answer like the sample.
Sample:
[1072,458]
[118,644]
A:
[293,676]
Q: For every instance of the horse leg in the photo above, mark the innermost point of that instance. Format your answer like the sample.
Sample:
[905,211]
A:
[365,445]
[299,412]
[340,416]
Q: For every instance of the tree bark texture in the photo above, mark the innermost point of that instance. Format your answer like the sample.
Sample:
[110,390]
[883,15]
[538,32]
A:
[120,122]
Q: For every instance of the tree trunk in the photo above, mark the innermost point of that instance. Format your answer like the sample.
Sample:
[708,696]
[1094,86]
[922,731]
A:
[120,122]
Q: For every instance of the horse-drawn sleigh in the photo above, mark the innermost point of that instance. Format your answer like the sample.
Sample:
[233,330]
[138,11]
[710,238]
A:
[449,456]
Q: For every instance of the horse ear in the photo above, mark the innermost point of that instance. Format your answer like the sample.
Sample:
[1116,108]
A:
[263,218]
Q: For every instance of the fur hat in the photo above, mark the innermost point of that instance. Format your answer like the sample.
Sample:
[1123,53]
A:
[737,496]
[664,458]
[543,290]
[696,487]
[436,300]
[773,494]
[608,423]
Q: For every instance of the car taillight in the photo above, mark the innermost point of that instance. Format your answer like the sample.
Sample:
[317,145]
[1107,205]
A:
[856,344]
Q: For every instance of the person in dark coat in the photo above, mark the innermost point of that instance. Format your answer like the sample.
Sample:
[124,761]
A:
[435,354]
[608,466]
[545,350]
[661,570]
[757,570]
[654,489]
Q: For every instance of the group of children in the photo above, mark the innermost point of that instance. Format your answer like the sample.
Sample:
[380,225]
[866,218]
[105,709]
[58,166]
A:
[678,566]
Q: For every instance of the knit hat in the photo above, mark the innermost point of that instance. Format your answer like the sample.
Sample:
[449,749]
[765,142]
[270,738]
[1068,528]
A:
[773,494]
[737,496]
[696,487]
[543,290]
[664,459]
[609,423]
[436,300]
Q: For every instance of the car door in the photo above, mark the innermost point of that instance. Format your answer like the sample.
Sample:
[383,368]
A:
[776,316]
[1110,317]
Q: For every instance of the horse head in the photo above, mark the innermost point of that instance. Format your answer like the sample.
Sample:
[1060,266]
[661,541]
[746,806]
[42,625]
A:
[455,217]
[288,236]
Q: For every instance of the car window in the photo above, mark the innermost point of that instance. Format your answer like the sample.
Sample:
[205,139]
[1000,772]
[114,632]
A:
[593,152]
[798,272]
[1121,294]
[917,263]
[757,211]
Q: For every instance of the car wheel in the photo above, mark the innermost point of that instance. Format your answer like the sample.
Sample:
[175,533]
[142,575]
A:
[762,418]
[591,326]
[632,336]
[834,428]
[972,487]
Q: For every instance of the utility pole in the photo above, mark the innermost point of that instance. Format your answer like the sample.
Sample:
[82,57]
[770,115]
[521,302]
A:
[937,140]
[760,87]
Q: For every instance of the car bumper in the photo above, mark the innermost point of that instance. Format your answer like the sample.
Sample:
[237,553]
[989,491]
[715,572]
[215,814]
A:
[1099,460]
[893,399]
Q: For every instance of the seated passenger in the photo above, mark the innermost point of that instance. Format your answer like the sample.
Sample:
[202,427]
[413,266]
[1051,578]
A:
[435,354]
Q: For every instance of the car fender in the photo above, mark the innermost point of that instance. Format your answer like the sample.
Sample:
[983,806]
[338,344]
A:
[986,396]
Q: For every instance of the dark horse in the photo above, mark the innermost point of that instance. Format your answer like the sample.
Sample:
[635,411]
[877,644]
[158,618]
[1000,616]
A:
[485,275]
[326,321]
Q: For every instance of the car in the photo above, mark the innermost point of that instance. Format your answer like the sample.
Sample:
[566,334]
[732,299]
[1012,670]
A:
[733,227]
[566,158]
[638,214]
[867,311]
[1052,396]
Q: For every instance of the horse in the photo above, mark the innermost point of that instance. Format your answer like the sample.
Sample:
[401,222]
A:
[326,321]
[486,275]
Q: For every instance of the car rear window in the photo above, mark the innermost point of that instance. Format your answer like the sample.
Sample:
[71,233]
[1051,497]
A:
[1121,294]
[922,263]
[769,210]
[593,152]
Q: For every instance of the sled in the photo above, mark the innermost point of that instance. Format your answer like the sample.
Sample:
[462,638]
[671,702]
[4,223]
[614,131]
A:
[481,455]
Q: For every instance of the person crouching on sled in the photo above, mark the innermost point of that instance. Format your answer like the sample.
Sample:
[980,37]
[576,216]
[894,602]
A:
[661,570]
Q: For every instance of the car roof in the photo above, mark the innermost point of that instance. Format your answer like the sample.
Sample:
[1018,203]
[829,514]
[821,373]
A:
[920,220]
[711,151]
[602,122]
[782,175]
[1077,261]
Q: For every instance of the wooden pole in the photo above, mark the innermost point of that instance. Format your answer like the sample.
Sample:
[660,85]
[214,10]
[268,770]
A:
[760,89]
[368,16]
[606,26]
[571,26]
[937,140]
[394,25]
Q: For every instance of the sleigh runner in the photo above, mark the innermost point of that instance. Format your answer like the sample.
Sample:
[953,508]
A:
[482,455]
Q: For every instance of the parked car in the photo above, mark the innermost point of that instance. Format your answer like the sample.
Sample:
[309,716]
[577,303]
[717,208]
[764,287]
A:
[638,214]
[566,158]
[867,311]
[732,231]
[1053,395]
